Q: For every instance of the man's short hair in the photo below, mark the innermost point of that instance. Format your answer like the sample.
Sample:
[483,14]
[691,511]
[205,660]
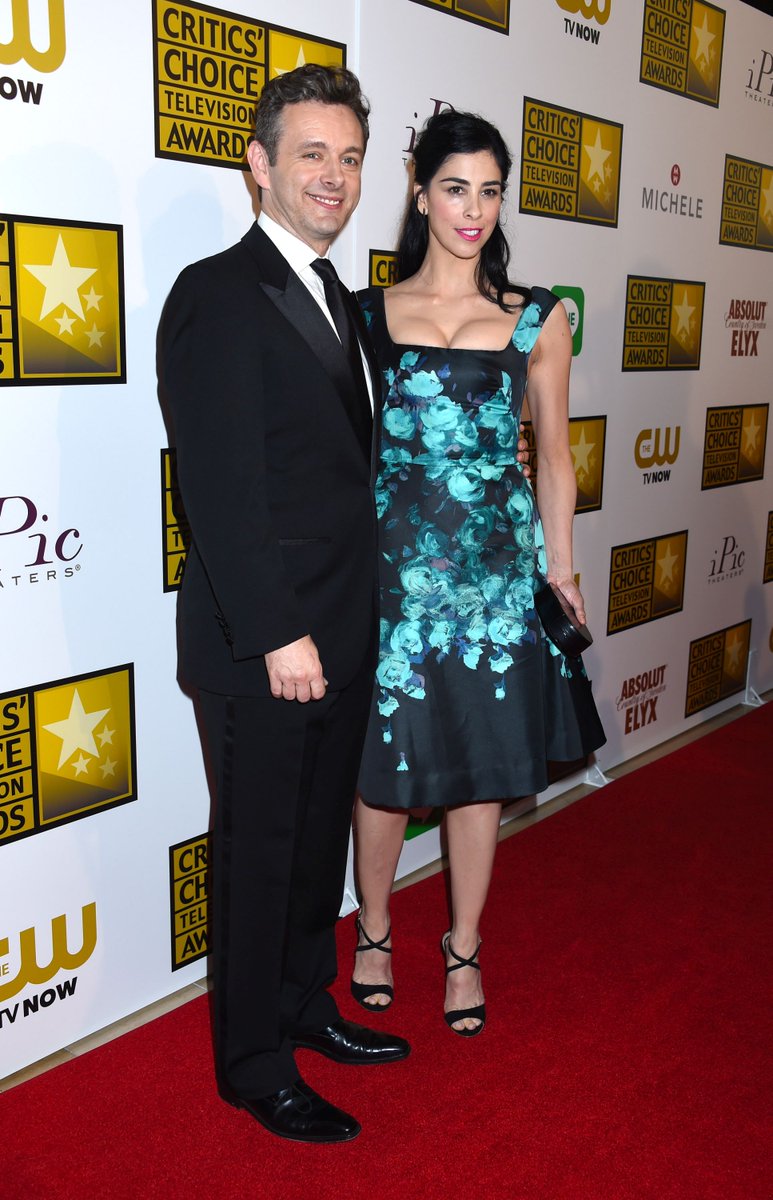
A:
[325,85]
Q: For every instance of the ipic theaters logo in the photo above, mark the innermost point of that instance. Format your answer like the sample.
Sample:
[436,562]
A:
[570,164]
[717,666]
[747,204]
[663,324]
[767,570]
[590,10]
[23,47]
[655,452]
[382,268]
[674,204]
[759,80]
[210,67]
[176,530]
[587,441]
[67,750]
[189,887]
[734,445]
[681,49]
[573,300]
[746,318]
[646,580]
[36,551]
[23,964]
[639,697]
[727,560]
[491,14]
[61,302]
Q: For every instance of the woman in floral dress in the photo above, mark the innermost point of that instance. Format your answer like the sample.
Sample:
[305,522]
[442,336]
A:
[471,700]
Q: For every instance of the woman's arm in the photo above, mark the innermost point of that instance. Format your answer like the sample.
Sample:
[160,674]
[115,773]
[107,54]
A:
[548,394]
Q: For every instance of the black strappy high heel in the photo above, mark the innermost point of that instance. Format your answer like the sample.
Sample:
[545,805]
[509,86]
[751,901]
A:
[478,1013]
[361,991]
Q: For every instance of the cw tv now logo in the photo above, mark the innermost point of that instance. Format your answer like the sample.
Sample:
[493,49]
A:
[31,42]
[26,968]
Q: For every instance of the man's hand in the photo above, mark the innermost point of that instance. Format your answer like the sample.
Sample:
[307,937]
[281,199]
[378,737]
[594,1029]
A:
[523,453]
[295,672]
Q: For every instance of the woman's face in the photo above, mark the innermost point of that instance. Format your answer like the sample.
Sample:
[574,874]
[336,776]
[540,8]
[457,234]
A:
[462,202]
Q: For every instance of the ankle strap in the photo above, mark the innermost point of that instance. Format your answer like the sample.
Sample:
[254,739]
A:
[461,962]
[371,944]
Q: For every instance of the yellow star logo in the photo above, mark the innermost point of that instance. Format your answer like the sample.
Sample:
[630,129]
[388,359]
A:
[76,731]
[767,210]
[300,62]
[733,653]
[581,452]
[597,156]
[702,39]
[683,313]
[61,281]
[751,432]
[666,566]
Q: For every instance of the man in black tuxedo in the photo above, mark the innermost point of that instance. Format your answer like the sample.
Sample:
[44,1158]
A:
[268,373]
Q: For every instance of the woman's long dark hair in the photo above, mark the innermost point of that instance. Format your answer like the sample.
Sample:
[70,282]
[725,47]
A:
[448,133]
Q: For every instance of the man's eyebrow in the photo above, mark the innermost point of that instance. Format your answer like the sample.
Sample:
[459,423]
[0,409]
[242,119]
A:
[318,144]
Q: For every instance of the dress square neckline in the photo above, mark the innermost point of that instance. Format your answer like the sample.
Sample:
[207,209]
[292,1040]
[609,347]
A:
[447,349]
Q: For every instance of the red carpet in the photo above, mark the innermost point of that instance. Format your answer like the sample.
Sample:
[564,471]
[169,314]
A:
[627,967]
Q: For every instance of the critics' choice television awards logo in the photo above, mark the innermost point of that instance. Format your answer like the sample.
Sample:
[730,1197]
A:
[655,452]
[67,750]
[37,550]
[646,580]
[570,164]
[681,49]
[43,51]
[189,887]
[382,268]
[209,70]
[176,531]
[663,324]
[717,666]
[61,302]
[746,319]
[639,697]
[747,204]
[734,445]
[767,570]
[596,11]
[25,962]
[491,14]
[587,441]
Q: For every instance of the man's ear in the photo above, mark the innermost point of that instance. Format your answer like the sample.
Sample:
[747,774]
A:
[259,164]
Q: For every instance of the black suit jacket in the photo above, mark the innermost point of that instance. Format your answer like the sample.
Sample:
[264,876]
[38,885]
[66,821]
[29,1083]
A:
[276,484]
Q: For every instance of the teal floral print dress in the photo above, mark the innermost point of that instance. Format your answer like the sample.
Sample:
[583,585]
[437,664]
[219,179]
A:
[471,701]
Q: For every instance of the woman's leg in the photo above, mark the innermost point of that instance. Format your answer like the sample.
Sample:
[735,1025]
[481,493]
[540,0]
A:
[379,834]
[472,831]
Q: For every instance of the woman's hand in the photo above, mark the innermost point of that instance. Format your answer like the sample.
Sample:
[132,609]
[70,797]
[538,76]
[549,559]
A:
[571,592]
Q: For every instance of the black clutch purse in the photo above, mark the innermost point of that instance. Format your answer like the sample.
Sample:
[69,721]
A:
[559,620]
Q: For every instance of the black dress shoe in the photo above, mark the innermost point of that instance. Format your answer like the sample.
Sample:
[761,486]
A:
[300,1114]
[345,1042]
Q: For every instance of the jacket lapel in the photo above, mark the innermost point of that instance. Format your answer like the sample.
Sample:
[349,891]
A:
[293,300]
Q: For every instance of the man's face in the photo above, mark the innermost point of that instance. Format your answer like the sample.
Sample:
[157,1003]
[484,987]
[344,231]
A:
[314,186]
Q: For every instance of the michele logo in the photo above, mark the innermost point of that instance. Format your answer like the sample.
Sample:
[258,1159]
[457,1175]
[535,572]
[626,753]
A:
[672,203]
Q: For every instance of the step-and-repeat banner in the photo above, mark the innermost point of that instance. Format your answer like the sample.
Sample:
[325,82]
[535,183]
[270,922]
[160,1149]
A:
[642,193]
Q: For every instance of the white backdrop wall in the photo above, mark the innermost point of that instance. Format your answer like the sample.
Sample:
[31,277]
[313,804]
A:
[103,798]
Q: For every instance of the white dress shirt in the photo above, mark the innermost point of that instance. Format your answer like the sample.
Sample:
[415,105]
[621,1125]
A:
[300,256]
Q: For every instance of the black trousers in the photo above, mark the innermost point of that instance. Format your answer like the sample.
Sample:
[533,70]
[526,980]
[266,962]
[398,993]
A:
[285,775]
